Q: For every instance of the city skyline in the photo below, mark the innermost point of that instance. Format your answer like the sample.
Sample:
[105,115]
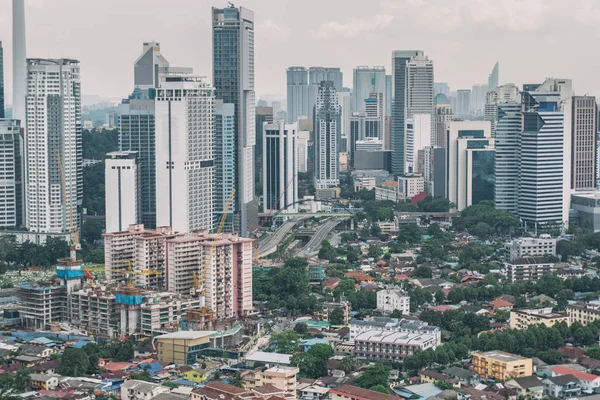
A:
[376,28]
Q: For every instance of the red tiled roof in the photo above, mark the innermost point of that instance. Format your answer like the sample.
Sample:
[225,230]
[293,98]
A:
[500,303]
[584,376]
[266,389]
[116,366]
[358,393]
[223,387]
[359,276]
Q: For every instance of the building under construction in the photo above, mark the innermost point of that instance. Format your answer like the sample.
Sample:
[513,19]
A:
[42,303]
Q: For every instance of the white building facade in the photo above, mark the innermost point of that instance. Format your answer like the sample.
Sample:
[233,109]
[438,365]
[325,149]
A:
[11,174]
[280,171]
[122,190]
[390,300]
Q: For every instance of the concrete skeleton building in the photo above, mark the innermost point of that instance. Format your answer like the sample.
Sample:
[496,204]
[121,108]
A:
[122,190]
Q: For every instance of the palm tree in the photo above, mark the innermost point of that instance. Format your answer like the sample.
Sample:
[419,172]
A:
[237,380]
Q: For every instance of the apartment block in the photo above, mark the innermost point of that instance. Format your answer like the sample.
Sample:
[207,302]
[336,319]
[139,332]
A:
[283,378]
[531,247]
[528,269]
[584,313]
[390,300]
[501,365]
[523,319]
[379,345]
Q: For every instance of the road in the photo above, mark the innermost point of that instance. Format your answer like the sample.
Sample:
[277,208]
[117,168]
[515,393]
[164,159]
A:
[269,245]
[319,236]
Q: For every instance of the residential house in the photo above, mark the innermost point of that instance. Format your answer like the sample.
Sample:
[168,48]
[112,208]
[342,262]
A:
[464,376]
[140,390]
[43,382]
[501,305]
[588,381]
[35,350]
[562,387]
[429,376]
[528,387]
[194,375]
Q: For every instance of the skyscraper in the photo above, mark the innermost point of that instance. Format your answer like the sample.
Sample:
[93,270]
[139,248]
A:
[19,109]
[443,116]
[297,93]
[344,101]
[419,90]
[544,157]
[441,87]
[506,124]
[388,95]
[11,174]
[418,136]
[316,75]
[1,81]
[262,115]
[121,183]
[148,67]
[53,145]
[463,103]
[327,136]
[493,80]
[478,99]
[366,81]
[280,170]
[375,116]
[224,151]
[184,153]
[400,59]
[233,77]
[502,94]
[583,142]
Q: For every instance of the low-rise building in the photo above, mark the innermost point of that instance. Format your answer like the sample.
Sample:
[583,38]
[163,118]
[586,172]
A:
[589,382]
[259,358]
[524,318]
[531,247]
[328,307]
[283,378]
[349,392]
[390,300]
[501,365]
[410,186]
[358,327]
[391,346]
[562,387]
[140,390]
[584,313]
[464,376]
[387,190]
[43,382]
[181,347]
[528,269]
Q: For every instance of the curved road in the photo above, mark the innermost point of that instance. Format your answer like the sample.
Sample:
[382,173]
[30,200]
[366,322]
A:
[270,243]
[319,236]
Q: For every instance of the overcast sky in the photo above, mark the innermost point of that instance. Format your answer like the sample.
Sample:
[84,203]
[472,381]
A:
[532,39]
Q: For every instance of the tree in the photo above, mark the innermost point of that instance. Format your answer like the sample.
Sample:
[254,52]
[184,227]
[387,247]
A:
[337,316]
[285,342]
[422,272]
[126,351]
[142,376]
[377,374]
[23,380]
[396,314]
[551,356]
[380,389]
[301,328]
[313,363]
[171,385]
[236,379]
[444,385]
[93,367]
[92,230]
[6,381]
[440,297]
[74,362]
[434,204]
[348,365]
[375,252]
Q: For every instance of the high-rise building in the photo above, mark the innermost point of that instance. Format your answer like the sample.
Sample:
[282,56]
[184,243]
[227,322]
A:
[493,80]
[502,94]
[366,81]
[297,93]
[11,174]
[583,142]
[345,101]
[418,136]
[463,103]
[327,136]
[19,103]
[544,156]
[148,68]
[374,116]
[302,139]
[441,88]
[478,99]
[434,170]
[470,159]
[1,81]
[279,167]
[121,185]
[419,90]
[400,59]
[224,151]
[357,132]
[137,133]
[53,146]
[507,126]
[184,153]
[263,114]
[233,77]
[388,95]
[316,75]
[443,116]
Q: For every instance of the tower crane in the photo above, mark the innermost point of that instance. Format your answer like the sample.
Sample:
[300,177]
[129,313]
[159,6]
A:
[129,272]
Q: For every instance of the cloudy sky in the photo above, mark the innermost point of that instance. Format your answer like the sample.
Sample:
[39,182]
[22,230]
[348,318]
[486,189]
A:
[532,39]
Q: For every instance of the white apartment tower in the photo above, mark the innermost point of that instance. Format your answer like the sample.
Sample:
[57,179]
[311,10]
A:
[327,136]
[184,153]
[280,169]
[419,89]
[11,176]
[53,145]
[122,190]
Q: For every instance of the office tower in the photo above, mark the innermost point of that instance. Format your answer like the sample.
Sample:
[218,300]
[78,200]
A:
[502,94]
[583,142]
[478,99]
[279,167]
[1,81]
[507,127]
[366,81]
[493,80]
[121,185]
[374,116]
[302,140]
[434,170]
[463,103]
[388,95]
[470,159]
[418,136]
[357,133]
[544,156]
[53,146]
[11,175]
[297,93]
[137,133]
[419,90]
[400,59]
[224,151]
[441,87]
[148,68]
[233,77]
[316,75]
[327,136]
[344,101]
[19,108]
[387,133]
[184,153]
[443,116]
[262,115]
[228,276]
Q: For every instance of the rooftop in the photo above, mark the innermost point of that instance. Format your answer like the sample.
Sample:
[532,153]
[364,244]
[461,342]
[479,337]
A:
[262,356]
[502,356]
[360,393]
[414,339]
[584,376]
[190,335]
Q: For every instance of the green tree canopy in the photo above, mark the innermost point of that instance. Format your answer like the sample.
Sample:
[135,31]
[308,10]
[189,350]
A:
[73,362]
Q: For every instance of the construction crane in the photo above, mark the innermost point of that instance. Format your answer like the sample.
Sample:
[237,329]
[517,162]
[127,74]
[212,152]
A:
[129,272]
[257,231]
[199,284]
[75,245]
